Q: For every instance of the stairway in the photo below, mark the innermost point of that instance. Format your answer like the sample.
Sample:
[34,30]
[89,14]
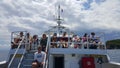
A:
[15,63]
[28,59]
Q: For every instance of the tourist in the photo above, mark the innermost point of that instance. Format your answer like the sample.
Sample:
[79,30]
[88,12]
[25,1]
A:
[43,42]
[35,42]
[54,40]
[39,58]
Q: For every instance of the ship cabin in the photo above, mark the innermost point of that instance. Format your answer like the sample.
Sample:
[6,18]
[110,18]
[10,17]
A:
[69,50]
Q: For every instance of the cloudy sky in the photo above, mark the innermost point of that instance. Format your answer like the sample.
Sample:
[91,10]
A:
[36,16]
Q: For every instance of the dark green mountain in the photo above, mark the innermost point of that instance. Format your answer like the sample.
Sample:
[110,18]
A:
[113,44]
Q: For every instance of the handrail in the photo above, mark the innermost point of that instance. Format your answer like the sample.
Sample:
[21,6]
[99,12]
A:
[15,53]
[48,53]
[46,64]
[45,59]
[26,43]
[21,59]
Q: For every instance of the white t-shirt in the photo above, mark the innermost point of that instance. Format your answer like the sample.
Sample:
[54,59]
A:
[39,56]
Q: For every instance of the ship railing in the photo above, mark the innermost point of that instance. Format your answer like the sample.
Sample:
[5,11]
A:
[16,38]
[81,42]
[11,61]
[21,43]
[21,46]
[78,45]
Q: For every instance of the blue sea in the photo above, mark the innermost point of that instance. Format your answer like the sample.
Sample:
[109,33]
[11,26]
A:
[4,50]
[113,54]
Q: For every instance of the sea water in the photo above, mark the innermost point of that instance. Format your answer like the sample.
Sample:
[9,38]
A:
[4,53]
[113,54]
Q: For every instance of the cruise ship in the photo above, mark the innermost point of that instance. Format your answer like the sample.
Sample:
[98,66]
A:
[69,50]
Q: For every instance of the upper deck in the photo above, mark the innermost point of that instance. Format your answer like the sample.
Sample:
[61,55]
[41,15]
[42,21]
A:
[62,41]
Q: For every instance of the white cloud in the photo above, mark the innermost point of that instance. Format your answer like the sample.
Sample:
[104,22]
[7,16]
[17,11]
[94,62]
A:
[37,15]
[105,15]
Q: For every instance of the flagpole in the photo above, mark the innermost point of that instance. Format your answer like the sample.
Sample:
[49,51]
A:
[59,20]
[59,12]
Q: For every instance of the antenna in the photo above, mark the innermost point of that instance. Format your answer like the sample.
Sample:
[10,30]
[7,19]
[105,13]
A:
[59,12]
[59,20]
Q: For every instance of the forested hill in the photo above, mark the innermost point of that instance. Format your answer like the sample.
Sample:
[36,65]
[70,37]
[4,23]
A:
[113,44]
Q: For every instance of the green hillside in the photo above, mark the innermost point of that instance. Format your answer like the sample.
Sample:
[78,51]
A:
[113,44]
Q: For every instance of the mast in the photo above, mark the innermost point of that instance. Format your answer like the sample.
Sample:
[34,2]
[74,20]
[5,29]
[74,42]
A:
[59,20]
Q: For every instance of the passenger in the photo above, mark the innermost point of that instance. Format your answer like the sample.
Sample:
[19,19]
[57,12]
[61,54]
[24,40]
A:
[79,42]
[85,40]
[64,38]
[94,40]
[85,37]
[21,36]
[62,44]
[15,43]
[43,42]
[28,42]
[21,39]
[92,37]
[39,58]
[64,34]
[76,40]
[35,42]
[98,43]
[54,40]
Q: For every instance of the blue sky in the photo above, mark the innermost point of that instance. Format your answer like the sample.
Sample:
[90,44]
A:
[80,16]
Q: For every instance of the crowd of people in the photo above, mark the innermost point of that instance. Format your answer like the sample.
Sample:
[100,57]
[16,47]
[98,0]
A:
[33,42]
[87,41]
[29,42]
